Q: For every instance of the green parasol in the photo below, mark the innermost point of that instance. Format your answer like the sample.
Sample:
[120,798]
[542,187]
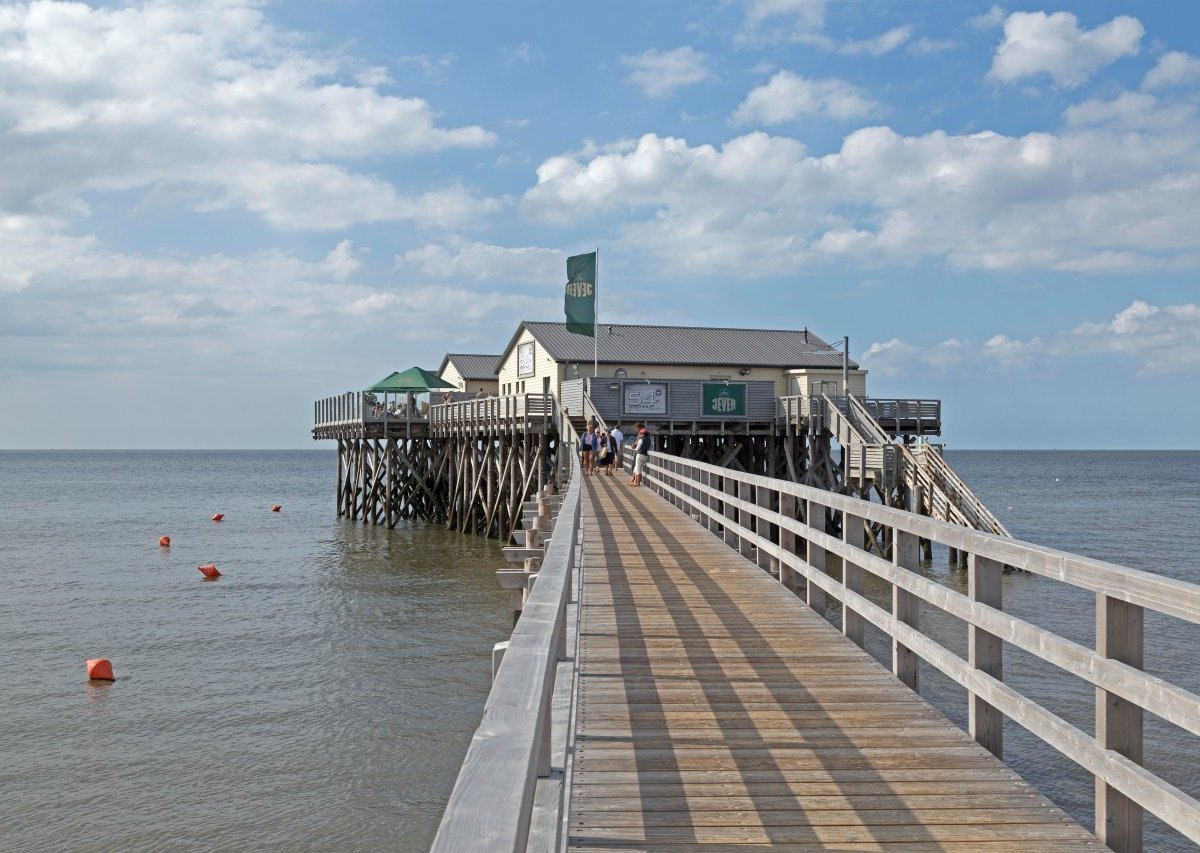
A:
[414,380]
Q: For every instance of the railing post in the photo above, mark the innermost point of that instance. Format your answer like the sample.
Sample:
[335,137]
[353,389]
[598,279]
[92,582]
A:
[814,517]
[787,540]
[729,487]
[986,652]
[854,535]
[709,480]
[744,519]
[906,607]
[762,496]
[1119,636]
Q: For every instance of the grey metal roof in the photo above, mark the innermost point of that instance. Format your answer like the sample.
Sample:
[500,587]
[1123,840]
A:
[472,365]
[687,345]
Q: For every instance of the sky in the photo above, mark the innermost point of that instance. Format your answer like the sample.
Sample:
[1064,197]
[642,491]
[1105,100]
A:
[214,213]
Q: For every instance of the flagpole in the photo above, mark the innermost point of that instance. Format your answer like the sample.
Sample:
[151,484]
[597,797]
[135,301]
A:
[596,321]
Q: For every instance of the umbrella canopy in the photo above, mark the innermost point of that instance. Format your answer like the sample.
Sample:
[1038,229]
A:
[413,380]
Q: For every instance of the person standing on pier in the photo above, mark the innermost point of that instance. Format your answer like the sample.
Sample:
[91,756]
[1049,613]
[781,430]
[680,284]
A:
[587,444]
[618,438]
[641,453]
[607,453]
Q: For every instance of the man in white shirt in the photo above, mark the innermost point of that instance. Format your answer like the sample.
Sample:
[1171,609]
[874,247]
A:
[619,437]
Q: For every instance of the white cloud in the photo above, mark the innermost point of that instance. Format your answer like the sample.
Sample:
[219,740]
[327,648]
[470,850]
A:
[522,53]
[1037,43]
[1112,191]
[993,17]
[342,262]
[932,47]
[659,73]
[788,96]
[1173,69]
[204,101]
[1158,339]
[880,44]
[803,22]
[483,261]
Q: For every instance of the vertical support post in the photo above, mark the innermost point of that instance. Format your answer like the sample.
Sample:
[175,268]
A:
[762,497]
[814,516]
[787,540]
[986,652]
[853,534]
[906,607]
[952,556]
[710,501]
[1120,636]
[729,486]
[745,520]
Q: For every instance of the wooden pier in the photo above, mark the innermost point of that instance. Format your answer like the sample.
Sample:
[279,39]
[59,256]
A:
[715,708]
[673,684]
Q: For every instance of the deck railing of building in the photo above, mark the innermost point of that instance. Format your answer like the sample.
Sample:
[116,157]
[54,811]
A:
[356,408]
[491,806]
[493,415]
[766,520]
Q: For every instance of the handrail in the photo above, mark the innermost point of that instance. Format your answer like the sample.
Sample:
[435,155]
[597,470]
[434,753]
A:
[491,804]
[935,473]
[771,515]
[866,424]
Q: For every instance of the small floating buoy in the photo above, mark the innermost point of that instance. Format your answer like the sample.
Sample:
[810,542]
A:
[276,508]
[209,571]
[100,669]
[164,541]
[218,516]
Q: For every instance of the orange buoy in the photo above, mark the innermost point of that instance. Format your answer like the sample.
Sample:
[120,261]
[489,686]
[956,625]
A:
[276,508]
[100,669]
[218,516]
[164,541]
[209,571]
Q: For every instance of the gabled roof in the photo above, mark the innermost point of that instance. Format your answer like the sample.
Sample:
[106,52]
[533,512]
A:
[618,344]
[471,365]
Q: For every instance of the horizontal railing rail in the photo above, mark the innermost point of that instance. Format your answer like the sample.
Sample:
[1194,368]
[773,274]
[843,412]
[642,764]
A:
[784,522]
[492,802]
[492,414]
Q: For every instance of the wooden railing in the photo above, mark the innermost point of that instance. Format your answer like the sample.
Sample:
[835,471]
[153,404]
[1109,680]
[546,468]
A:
[341,410]
[492,803]
[949,496]
[491,415]
[918,412]
[783,524]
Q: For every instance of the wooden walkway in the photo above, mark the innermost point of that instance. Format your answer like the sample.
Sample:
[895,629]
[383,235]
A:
[716,711]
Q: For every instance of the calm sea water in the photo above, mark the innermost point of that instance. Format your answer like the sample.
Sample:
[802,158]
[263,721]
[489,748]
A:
[321,694]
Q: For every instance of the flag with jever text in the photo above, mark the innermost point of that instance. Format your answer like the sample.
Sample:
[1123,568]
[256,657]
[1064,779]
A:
[581,294]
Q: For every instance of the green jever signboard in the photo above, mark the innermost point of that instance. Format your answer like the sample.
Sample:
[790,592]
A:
[723,401]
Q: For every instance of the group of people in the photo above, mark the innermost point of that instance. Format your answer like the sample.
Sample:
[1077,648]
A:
[601,449]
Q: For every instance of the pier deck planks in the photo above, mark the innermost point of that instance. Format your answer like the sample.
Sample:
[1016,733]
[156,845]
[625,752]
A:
[716,710]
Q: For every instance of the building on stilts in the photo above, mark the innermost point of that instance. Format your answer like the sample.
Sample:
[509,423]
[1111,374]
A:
[781,403]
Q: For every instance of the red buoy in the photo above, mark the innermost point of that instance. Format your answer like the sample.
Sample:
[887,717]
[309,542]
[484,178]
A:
[218,516]
[100,669]
[209,571]
[164,541]
[276,508]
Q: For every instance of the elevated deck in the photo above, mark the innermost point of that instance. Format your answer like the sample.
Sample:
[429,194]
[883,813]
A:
[715,708]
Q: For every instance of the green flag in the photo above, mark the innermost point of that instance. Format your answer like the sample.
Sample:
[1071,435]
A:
[581,294]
